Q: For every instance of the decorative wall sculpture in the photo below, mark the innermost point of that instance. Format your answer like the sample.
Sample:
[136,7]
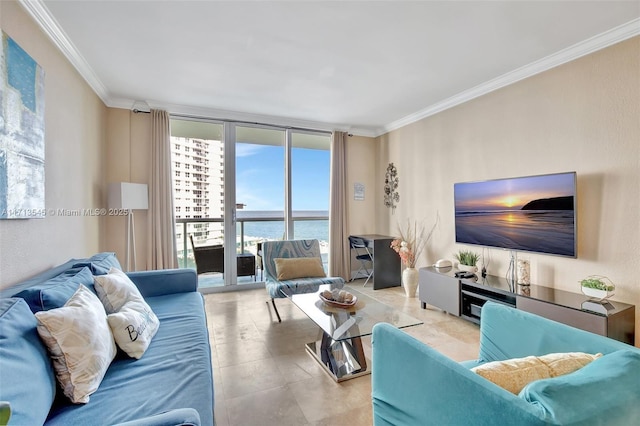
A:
[391,196]
[21,133]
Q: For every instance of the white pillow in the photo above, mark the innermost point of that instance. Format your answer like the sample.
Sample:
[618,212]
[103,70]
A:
[115,289]
[80,343]
[133,327]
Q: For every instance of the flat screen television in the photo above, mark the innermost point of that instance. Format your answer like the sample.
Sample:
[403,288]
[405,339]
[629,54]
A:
[531,214]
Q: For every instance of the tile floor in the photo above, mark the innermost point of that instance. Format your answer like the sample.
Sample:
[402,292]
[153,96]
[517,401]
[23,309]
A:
[263,375]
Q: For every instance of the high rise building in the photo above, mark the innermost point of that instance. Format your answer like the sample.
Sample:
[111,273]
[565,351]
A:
[198,189]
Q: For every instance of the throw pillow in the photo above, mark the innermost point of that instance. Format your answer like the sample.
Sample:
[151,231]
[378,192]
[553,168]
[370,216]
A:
[605,392]
[27,379]
[55,292]
[299,267]
[133,327]
[79,342]
[115,289]
[515,374]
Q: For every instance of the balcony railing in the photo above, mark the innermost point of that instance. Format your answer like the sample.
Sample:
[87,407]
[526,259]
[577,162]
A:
[306,226]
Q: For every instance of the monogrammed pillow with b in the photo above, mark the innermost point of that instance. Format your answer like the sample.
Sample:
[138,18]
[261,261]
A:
[133,327]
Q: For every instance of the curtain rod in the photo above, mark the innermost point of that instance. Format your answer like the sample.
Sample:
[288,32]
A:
[136,111]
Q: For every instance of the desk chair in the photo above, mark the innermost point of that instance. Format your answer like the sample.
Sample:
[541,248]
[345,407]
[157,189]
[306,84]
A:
[364,256]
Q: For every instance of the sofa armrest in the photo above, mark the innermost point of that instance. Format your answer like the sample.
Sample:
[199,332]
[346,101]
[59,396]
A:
[165,281]
[177,417]
[415,384]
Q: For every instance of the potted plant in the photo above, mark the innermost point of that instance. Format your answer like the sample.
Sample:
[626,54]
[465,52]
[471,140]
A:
[597,286]
[467,260]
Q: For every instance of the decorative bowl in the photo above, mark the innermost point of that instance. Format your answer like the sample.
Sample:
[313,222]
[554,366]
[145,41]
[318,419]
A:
[337,304]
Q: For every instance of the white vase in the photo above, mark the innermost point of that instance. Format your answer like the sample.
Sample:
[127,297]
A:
[410,281]
[467,268]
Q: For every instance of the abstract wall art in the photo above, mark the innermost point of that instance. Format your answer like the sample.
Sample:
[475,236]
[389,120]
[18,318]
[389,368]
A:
[21,133]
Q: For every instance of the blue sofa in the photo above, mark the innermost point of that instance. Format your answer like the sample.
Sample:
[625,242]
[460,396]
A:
[413,384]
[172,384]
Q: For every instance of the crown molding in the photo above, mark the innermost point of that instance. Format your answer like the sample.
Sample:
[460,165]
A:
[49,25]
[51,28]
[590,45]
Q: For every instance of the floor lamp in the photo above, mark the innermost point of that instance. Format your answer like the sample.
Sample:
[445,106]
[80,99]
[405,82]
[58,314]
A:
[128,197]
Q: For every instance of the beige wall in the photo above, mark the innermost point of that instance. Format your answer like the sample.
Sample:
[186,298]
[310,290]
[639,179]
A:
[360,162]
[127,160]
[75,129]
[583,116]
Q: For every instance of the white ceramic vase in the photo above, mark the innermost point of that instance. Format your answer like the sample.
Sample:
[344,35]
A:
[467,268]
[410,281]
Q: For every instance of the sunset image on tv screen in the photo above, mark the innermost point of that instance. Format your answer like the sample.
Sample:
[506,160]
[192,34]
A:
[534,213]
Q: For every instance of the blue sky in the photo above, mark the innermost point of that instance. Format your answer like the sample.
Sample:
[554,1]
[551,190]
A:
[512,193]
[260,177]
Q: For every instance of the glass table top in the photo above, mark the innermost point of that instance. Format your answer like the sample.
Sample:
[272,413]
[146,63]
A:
[346,323]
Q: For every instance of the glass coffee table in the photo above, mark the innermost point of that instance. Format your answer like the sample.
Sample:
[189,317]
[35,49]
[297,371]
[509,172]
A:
[339,345]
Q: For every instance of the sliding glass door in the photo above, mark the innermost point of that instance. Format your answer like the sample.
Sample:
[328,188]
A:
[260,188]
[310,166]
[238,185]
[197,156]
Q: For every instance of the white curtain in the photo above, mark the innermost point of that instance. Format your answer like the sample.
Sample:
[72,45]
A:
[161,243]
[339,252]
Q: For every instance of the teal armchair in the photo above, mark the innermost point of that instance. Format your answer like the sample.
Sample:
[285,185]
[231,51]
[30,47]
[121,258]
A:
[414,384]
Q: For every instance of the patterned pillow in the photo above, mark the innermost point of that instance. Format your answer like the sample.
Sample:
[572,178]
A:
[115,289]
[514,374]
[133,327]
[79,342]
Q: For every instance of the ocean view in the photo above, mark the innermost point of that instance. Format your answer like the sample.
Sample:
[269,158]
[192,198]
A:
[257,226]
[303,229]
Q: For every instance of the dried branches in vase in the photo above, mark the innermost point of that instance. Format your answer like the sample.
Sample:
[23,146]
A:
[413,239]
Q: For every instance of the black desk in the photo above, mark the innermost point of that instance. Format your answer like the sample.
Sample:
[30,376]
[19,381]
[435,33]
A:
[386,262]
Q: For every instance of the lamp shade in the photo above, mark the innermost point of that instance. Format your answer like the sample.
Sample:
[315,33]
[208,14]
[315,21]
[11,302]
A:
[128,196]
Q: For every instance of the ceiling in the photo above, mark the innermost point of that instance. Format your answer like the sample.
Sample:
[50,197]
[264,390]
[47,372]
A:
[363,66]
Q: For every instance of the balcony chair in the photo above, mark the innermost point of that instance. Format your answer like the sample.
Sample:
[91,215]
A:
[208,258]
[211,259]
[364,256]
